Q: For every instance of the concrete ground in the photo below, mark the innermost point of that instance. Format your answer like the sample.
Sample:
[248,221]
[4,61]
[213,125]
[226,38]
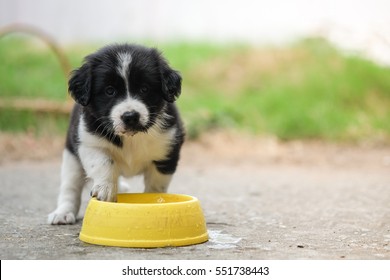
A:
[262,200]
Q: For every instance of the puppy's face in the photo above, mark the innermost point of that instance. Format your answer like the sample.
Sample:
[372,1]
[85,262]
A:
[125,88]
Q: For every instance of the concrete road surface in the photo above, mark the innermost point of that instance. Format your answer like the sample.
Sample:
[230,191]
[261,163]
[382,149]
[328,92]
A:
[318,204]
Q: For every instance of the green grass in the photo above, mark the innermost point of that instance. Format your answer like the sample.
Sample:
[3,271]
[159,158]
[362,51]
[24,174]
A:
[29,70]
[39,124]
[308,89]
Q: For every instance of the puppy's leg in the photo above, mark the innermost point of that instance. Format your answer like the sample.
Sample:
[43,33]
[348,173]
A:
[155,181]
[69,199]
[101,168]
[158,175]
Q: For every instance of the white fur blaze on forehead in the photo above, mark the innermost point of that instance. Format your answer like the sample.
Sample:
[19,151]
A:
[124,60]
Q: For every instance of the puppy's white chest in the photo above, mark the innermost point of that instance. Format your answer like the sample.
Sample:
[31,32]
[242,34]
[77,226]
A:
[139,151]
[133,157]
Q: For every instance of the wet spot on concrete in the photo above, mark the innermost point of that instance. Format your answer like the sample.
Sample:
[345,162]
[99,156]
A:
[219,240]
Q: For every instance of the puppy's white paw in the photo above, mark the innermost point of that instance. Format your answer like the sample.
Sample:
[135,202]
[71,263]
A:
[104,192]
[61,218]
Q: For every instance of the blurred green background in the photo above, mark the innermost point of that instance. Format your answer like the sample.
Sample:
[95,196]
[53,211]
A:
[304,90]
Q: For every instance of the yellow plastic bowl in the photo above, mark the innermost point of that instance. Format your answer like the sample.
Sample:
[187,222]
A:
[145,220]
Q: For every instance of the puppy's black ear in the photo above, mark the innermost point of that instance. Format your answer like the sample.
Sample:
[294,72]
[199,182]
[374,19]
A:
[171,82]
[79,85]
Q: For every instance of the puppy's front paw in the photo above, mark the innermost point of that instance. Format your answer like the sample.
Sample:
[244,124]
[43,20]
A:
[104,192]
[61,218]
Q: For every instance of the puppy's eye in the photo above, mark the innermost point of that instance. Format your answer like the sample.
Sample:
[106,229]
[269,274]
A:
[110,91]
[144,89]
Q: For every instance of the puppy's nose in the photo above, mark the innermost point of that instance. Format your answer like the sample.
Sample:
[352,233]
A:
[130,117]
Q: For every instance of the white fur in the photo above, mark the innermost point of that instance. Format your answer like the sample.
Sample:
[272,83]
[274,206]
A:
[128,105]
[72,182]
[104,162]
[123,66]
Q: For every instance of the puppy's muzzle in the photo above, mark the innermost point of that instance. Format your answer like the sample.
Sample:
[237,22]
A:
[129,117]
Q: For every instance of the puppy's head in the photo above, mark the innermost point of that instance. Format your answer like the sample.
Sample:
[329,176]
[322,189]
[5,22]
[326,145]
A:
[125,87]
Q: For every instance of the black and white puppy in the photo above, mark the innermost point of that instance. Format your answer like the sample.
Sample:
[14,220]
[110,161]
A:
[123,124]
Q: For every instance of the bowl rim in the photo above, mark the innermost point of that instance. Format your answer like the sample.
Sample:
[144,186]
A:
[188,199]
